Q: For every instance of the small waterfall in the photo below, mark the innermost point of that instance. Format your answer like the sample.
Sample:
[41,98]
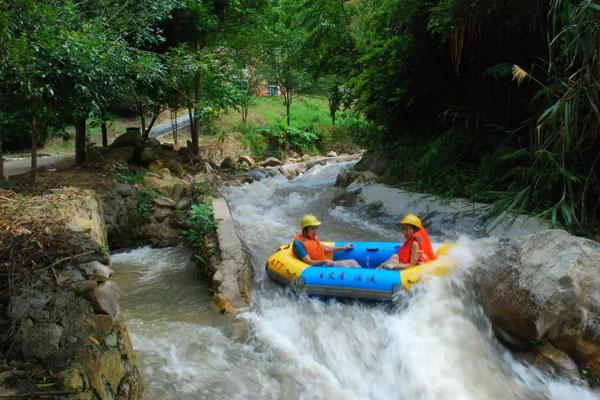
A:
[433,343]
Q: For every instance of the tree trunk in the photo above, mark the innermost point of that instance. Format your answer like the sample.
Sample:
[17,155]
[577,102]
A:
[142,114]
[104,134]
[287,100]
[244,108]
[196,127]
[333,106]
[80,140]
[2,179]
[191,116]
[174,126]
[34,135]
[146,132]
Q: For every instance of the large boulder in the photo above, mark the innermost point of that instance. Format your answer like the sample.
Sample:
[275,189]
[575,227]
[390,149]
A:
[544,288]
[271,162]
[146,154]
[169,186]
[346,178]
[375,161]
[131,138]
[215,152]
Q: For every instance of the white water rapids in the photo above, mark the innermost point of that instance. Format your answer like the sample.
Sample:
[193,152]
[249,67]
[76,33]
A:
[434,343]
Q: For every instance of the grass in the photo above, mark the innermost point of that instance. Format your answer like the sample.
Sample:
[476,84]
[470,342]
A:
[308,113]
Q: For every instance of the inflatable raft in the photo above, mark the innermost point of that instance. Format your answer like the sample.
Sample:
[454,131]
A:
[358,283]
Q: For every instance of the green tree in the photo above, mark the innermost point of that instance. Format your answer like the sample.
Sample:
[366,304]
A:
[284,61]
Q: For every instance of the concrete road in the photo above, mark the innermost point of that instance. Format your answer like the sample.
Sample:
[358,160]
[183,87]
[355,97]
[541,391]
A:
[23,165]
[166,128]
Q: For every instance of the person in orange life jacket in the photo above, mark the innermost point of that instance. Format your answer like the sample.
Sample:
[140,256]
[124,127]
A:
[308,247]
[416,248]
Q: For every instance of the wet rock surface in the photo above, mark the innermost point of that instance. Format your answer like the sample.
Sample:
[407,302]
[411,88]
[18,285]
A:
[544,288]
[231,277]
[58,329]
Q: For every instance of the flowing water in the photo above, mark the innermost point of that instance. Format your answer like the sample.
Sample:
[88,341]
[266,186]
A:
[434,343]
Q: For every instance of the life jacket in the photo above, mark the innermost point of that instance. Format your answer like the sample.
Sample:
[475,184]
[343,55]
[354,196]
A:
[313,247]
[422,239]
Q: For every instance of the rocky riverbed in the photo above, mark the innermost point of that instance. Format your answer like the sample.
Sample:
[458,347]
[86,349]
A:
[64,331]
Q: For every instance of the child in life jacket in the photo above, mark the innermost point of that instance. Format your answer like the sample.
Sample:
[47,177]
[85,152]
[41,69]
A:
[416,248]
[308,247]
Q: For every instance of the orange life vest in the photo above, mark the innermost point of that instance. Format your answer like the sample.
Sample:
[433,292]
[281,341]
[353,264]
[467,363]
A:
[422,239]
[313,247]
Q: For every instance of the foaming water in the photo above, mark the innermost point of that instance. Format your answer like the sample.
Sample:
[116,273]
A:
[432,343]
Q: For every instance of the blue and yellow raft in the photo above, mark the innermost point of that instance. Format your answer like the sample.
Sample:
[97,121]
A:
[357,283]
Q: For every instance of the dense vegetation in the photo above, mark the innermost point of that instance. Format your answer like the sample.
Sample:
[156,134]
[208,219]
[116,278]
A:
[494,100]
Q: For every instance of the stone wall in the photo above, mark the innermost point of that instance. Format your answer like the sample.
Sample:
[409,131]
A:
[65,319]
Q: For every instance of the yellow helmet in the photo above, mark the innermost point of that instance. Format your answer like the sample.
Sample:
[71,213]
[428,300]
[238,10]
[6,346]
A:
[412,219]
[309,220]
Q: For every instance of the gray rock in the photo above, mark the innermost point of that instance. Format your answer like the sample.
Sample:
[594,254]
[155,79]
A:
[227,163]
[332,154]
[121,154]
[348,177]
[314,161]
[153,142]
[374,161]
[132,137]
[30,304]
[71,380]
[161,213]
[184,204]
[69,275]
[176,167]
[84,286]
[271,162]
[96,271]
[258,174]
[544,287]
[163,201]
[247,160]
[123,189]
[111,340]
[164,172]
[556,362]
[146,154]
[105,298]
[40,340]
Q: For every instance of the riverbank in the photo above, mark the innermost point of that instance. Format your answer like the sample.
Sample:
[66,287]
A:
[156,205]
[142,193]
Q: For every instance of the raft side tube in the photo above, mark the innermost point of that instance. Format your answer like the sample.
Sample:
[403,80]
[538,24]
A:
[352,278]
[368,254]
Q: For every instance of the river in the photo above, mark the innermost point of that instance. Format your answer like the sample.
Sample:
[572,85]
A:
[434,343]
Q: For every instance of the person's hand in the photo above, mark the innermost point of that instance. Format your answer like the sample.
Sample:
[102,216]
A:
[349,246]
[328,263]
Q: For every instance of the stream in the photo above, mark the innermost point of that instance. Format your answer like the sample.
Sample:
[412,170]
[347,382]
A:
[433,343]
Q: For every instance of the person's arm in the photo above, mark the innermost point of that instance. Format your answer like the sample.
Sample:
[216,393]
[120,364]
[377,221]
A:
[394,262]
[338,248]
[415,254]
[310,261]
